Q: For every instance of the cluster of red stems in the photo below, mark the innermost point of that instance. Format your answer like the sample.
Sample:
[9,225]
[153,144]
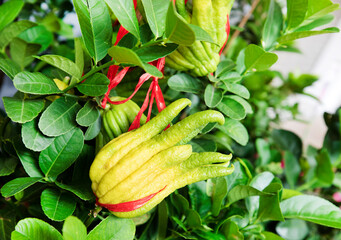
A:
[115,76]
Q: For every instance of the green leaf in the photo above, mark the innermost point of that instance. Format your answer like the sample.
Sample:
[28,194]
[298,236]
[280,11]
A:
[127,56]
[183,82]
[201,34]
[74,229]
[212,96]
[57,205]
[32,228]
[324,169]
[33,138]
[59,117]
[193,219]
[38,35]
[199,199]
[272,236]
[35,83]
[113,228]
[95,23]
[203,145]
[288,141]
[264,152]
[313,209]
[80,190]
[317,9]
[292,169]
[293,229]
[21,52]
[152,53]
[239,176]
[296,11]
[88,114]
[219,192]
[93,130]
[242,191]
[273,26]
[224,67]
[95,85]
[9,67]
[297,35]
[7,165]
[17,185]
[231,108]
[22,110]
[7,225]
[63,64]
[243,102]
[237,89]
[258,59]
[235,130]
[61,153]
[269,208]
[10,11]
[177,30]
[156,15]
[13,30]
[230,230]
[79,58]
[125,13]
[27,159]
[310,25]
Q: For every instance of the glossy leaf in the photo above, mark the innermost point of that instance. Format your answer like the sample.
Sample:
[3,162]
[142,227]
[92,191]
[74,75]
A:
[33,228]
[324,20]
[273,26]
[199,199]
[201,34]
[264,152]
[231,108]
[288,141]
[79,58]
[313,209]
[177,30]
[272,236]
[203,145]
[21,52]
[63,64]
[297,35]
[17,185]
[35,83]
[324,169]
[10,11]
[243,102]
[212,96]
[152,53]
[7,165]
[127,56]
[224,67]
[185,83]
[258,59]
[239,177]
[93,130]
[231,230]
[269,208]
[296,11]
[219,192]
[95,23]
[59,117]
[243,191]
[9,67]
[57,205]
[292,169]
[38,35]
[74,229]
[114,229]
[33,138]
[95,85]
[22,110]
[88,114]
[235,130]
[237,89]
[156,15]
[317,9]
[13,30]
[125,12]
[61,153]
[79,189]
[293,229]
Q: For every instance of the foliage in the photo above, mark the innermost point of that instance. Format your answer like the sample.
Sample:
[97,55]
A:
[48,132]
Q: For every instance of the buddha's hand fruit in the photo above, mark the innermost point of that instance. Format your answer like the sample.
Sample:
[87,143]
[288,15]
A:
[137,170]
[202,58]
[116,120]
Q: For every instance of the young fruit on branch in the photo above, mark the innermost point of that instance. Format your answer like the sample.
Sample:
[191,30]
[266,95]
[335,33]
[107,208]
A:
[137,170]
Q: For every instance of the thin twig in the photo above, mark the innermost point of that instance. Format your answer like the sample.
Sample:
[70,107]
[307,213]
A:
[241,25]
